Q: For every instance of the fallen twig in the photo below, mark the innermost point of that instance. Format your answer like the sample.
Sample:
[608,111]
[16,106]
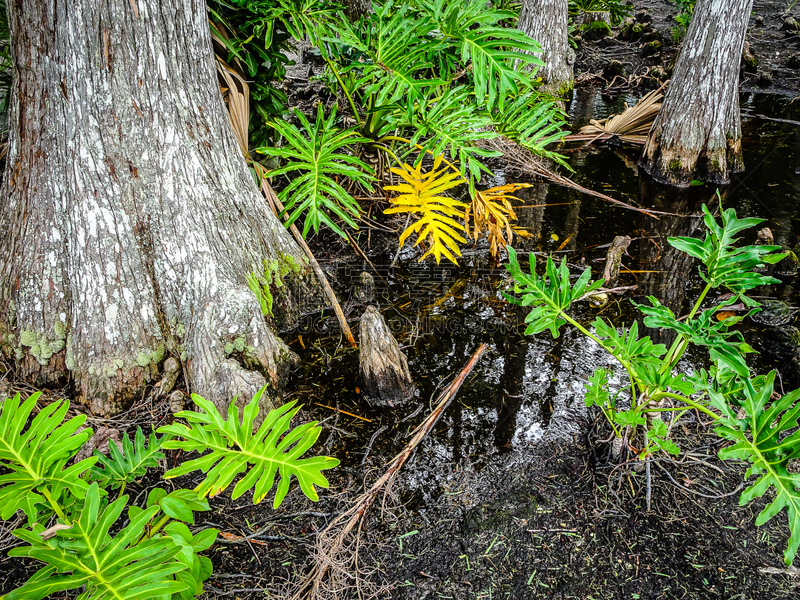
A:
[327,553]
[277,208]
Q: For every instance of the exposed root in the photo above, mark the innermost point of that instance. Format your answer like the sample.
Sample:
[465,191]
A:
[524,161]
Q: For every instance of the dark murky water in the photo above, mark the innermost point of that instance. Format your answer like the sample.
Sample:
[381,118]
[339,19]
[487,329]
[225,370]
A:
[529,388]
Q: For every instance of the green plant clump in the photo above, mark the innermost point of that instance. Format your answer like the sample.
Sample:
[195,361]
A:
[683,18]
[427,77]
[154,555]
[616,10]
[764,430]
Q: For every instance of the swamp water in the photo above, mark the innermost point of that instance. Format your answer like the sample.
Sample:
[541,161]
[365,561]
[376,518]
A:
[527,388]
[492,467]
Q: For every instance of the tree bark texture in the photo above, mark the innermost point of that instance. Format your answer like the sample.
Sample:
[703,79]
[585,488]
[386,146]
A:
[546,22]
[129,220]
[697,134]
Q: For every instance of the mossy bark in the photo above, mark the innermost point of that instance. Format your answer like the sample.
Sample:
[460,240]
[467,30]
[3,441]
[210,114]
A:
[129,220]
[698,133]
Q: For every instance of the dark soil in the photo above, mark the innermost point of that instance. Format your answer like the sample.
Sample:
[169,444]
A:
[776,49]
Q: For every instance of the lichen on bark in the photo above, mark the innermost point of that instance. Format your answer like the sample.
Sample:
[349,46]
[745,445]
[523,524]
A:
[129,220]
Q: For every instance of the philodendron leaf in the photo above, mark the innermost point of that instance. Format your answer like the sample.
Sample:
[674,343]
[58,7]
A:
[550,295]
[726,265]
[228,447]
[658,439]
[626,343]
[198,568]
[181,504]
[316,190]
[629,418]
[768,438]
[597,390]
[124,565]
[124,466]
[439,216]
[724,345]
[37,456]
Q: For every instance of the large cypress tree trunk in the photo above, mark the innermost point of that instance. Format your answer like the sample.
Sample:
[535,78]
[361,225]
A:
[546,22]
[697,134]
[129,220]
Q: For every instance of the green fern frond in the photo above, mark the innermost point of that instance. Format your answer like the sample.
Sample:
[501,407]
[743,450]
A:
[111,567]
[314,152]
[37,457]
[228,447]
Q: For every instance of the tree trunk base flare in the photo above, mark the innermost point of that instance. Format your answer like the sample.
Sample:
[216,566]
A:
[546,22]
[698,133]
[383,366]
[596,24]
[130,227]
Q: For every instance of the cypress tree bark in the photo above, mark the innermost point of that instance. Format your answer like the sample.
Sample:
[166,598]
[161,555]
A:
[546,22]
[129,220]
[698,134]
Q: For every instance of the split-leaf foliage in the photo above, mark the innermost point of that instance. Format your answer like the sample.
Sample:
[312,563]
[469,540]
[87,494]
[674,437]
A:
[440,218]
[153,554]
[764,430]
[427,76]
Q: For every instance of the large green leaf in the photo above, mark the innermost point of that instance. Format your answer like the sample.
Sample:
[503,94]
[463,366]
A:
[550,295]
[123,566]
[315,153]
[726,265]
[534,121]
[121,467]
[724,345]
[397,53]
[198,568]
[228,447]
[496,55]
[454,125]
[626,343]
[37,457]
[768,438]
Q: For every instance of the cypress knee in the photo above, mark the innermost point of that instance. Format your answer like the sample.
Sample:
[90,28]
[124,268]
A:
[383,366]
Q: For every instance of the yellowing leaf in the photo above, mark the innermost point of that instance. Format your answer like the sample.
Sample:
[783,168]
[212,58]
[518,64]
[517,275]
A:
[491,211]
[421,194]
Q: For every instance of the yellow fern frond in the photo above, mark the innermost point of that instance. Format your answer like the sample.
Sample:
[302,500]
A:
[491,211]
[438,224]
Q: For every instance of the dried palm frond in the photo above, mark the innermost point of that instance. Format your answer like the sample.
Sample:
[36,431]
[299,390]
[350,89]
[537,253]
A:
[236,94]
[233,86]
[632,125]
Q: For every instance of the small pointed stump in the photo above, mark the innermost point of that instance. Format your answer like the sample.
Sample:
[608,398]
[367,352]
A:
[614,258]
[383,366]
